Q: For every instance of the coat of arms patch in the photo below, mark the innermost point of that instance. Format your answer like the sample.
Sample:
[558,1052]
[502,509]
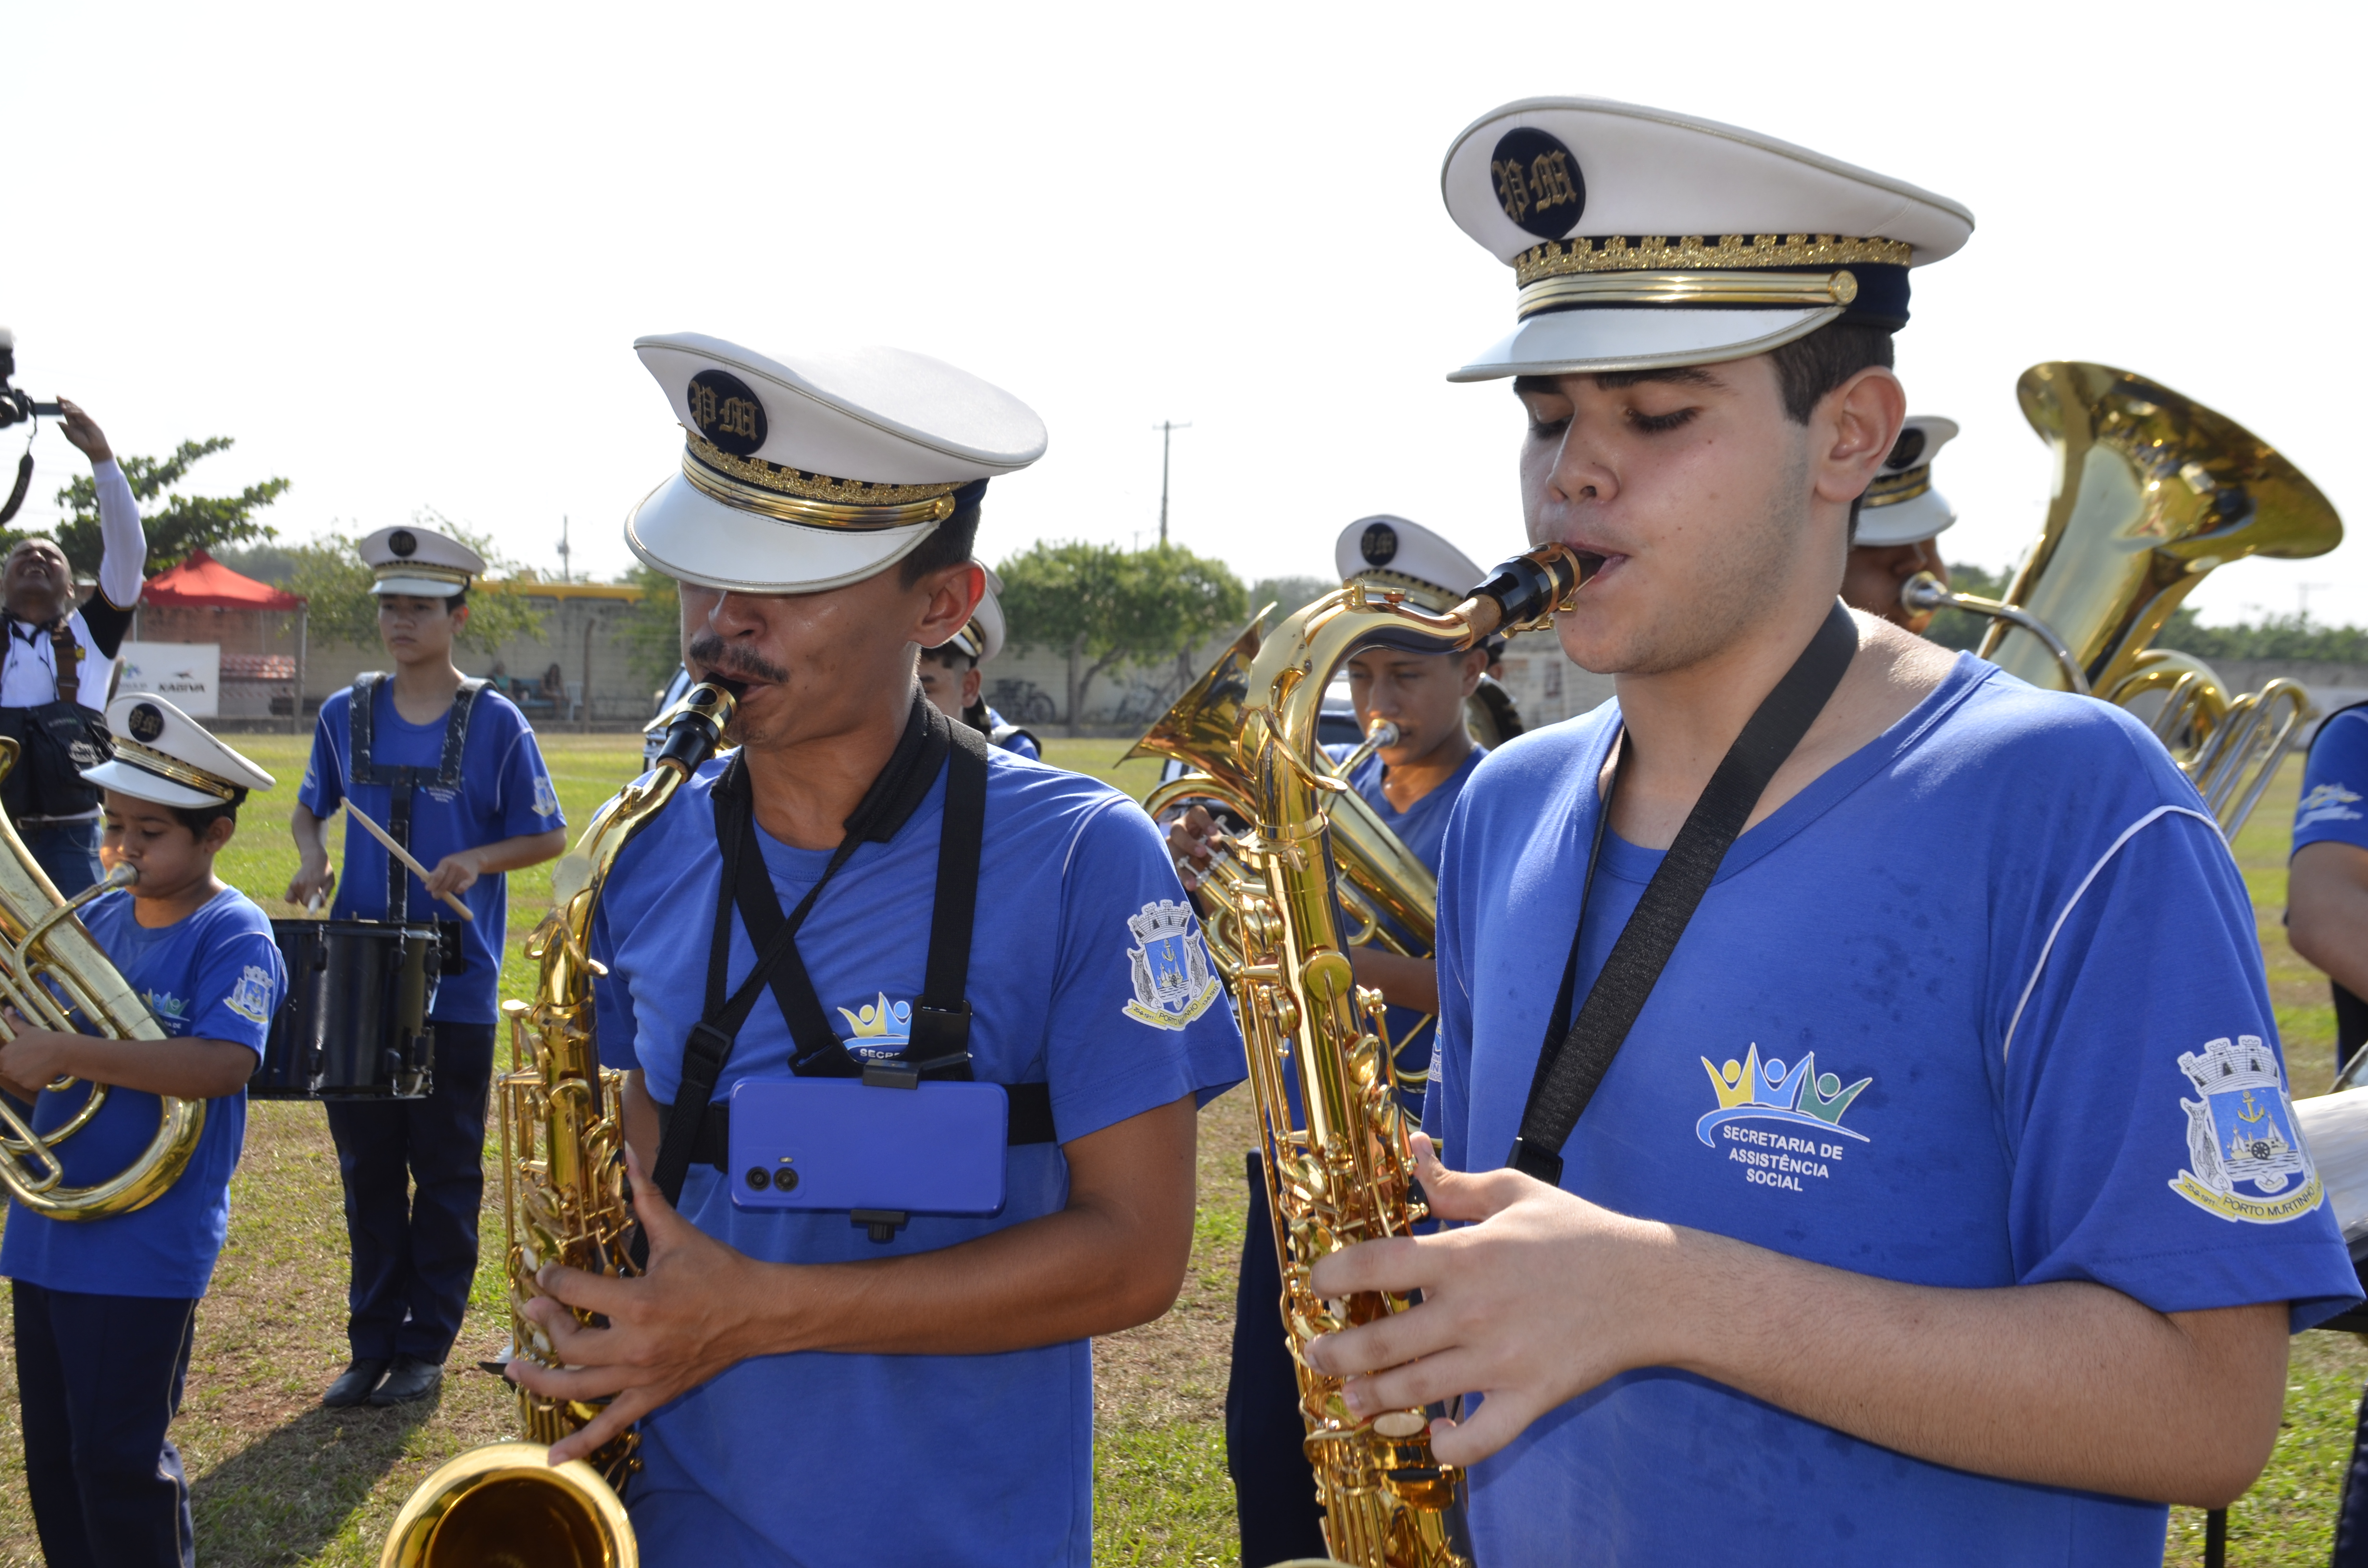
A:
[2247,1160]
[1172,983]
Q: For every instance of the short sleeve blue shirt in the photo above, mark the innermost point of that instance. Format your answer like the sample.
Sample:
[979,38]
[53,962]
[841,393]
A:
[506,792]
[215,974]
[926,1457]
[2334,803]
[1981,1007]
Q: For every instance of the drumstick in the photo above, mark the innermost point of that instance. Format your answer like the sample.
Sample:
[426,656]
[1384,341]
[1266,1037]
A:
[400,853]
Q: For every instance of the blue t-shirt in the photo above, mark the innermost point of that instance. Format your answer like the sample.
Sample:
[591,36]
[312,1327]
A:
[1981,1007]
[1087,973]
[215,974]
[1421,827]
[504,792]
[1020,741]
[2334,804]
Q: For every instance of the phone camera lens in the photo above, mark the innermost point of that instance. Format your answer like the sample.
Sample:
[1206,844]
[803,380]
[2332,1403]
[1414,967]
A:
[757,1178]
[786,1180]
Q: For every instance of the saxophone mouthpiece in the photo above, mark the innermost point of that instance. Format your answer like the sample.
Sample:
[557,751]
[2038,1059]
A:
[1524,592]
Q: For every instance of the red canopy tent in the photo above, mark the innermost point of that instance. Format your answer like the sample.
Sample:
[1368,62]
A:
[202,584]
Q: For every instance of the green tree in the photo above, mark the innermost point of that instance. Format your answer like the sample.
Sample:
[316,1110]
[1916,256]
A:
[1288,595]
[183,523]
[2293,637]
[328,572]
[653,634]
[1105,606]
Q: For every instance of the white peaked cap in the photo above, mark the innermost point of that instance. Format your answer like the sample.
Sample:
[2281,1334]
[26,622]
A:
[1643,239]
[163,755]
[807,471]
[418,560]
[1391,552]
[1901,506]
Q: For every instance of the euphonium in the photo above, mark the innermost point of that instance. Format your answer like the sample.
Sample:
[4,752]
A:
[2152,491]
[1337,1169]
[44,947]
[563,1201]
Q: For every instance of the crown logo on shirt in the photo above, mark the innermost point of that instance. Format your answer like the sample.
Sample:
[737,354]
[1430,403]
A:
[882,1020]
[2222,1068]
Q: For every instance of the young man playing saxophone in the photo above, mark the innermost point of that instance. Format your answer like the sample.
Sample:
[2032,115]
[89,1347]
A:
[1907,1224]
[807,1393]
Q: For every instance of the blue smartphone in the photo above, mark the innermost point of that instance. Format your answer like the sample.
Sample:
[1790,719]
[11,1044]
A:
[839,1143]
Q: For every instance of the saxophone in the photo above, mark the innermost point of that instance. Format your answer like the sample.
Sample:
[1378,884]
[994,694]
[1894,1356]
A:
[1339,1171]
[564,1200]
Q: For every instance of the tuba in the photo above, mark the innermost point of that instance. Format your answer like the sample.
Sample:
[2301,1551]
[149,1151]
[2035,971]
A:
[564,1200]
[2152,491]
[51,972]
[1337,1169]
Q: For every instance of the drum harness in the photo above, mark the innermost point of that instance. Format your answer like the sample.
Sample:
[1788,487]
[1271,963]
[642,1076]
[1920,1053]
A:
[939,1047]
[402,782]
[62,736]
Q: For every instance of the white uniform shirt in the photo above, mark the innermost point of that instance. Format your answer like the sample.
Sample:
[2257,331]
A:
[29,676]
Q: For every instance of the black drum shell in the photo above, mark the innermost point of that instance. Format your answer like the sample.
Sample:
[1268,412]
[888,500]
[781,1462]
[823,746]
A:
[354,1025]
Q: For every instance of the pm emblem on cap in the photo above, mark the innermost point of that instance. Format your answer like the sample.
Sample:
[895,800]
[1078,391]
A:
[402,542]
[726,411]
[1379,544]
[146,722]
[1538,182]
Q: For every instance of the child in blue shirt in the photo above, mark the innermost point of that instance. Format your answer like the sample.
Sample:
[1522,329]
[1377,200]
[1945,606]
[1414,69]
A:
[105,1306]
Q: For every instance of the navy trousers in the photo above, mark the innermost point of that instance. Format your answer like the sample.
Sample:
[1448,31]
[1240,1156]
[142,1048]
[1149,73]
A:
[414,1177]
[67,851]
[99,1381]
[1274,1489]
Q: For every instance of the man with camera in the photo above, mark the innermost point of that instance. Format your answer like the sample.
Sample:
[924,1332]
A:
[57,668]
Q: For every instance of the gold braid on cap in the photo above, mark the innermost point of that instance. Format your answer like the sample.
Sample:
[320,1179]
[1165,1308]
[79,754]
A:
[1736,271]
[409,568]
[970,639]
[1891,489]
[817,500]
[150,760]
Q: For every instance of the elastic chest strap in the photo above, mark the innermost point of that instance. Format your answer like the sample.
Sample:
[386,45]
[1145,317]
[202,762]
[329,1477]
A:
[401,780]
[1571,1065]
[938,1042]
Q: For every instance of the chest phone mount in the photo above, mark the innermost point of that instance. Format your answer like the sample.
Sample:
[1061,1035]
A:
[864,1137]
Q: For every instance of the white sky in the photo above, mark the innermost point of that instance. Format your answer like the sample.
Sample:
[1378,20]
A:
[401,252]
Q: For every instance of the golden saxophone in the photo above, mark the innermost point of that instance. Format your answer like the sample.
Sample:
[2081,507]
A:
[2152,491]
[45,954]
[1339,1171]
[563,1201]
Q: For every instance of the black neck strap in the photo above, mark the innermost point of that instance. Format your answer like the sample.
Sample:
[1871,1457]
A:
[939,1042]
[1571,1065]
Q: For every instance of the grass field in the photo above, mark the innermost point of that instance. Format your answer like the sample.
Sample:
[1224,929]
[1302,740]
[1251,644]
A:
[278,1481]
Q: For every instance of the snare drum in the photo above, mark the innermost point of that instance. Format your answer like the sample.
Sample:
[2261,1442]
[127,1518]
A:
[355,1022]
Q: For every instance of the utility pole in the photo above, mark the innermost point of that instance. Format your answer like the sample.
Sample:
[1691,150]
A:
[2303,592]
[1167,428]
[563,548]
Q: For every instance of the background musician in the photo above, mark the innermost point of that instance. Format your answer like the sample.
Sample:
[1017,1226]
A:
[2326,921]
[1412,785]
[1900,519]
[947,1367]
[949,677]
[1903,1226]
[105,1307]
[452,771]
[58,665]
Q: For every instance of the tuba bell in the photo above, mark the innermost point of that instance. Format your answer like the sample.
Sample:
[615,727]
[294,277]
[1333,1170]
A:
[57,977]
[2152,491]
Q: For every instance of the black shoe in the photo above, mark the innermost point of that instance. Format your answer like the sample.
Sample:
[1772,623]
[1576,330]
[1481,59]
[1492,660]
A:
[354,1384]
[409,1379]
